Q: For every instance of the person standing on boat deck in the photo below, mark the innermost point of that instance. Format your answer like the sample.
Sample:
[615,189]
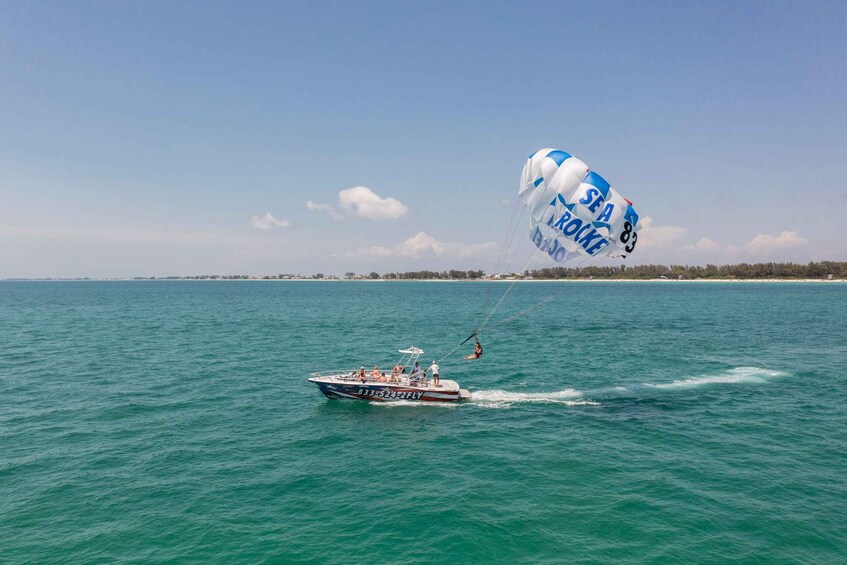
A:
[434,369]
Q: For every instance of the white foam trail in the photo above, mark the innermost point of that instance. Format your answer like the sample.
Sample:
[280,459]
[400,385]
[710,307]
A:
[504,398]
[736,375]
[571,397]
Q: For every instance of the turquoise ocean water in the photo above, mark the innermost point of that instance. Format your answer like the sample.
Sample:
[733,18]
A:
[625,422]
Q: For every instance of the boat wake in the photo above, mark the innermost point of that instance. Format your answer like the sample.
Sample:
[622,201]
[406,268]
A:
[504,399]
[736,375]
[594,397]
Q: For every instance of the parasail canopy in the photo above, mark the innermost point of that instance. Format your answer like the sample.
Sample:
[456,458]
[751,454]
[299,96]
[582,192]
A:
[574,212]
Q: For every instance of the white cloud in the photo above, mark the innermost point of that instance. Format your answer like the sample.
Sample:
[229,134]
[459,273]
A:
[704,244]
[367,204]
[373,252]
[364,202]
[325,208]
[787,246]
[423,245]
[267,222]
[420,244]
[655,237]
[766,242]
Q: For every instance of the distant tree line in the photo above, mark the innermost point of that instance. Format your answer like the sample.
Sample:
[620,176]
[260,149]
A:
[428,275]
[411,275]
[814,270]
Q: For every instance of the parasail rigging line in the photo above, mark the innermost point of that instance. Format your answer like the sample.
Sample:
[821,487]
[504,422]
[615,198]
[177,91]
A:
[505,293]
[511,239]
[509,234]
[478,331]
[508,238]
[467,339]
[514,316]
[515,255]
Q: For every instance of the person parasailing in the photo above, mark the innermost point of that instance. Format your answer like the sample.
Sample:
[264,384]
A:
[477,350]
[575,217]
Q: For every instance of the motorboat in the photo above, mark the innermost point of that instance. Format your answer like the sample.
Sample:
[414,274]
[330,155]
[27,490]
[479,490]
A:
[405,382]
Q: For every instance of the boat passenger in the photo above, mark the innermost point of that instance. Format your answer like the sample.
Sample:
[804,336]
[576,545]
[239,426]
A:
[415,376]
[434,369]
[375,373]
[362,376]
[382,378]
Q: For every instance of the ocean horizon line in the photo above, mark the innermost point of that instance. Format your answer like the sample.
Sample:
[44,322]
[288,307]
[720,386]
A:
[366,280]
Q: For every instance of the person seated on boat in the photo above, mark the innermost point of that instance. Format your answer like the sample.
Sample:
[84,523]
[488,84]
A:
[477,351]
[382,378]
[375,373]
[395,374]
[416,375]
[362,376]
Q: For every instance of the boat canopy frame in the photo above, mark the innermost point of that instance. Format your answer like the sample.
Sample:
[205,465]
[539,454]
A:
[409,357]
[407,361]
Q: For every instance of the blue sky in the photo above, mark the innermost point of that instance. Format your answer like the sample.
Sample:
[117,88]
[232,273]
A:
[187,138]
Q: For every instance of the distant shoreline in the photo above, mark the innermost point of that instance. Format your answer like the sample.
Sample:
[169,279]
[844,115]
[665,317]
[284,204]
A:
[504,280]
[821,271]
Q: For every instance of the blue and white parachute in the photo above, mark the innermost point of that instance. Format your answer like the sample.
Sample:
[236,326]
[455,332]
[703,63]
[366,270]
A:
[574,212]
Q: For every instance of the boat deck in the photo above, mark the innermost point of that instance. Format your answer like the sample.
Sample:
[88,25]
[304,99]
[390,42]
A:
[401,382]
[413,385]
[343,386]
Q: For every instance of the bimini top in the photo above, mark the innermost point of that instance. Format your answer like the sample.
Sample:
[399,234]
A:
[412,351]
